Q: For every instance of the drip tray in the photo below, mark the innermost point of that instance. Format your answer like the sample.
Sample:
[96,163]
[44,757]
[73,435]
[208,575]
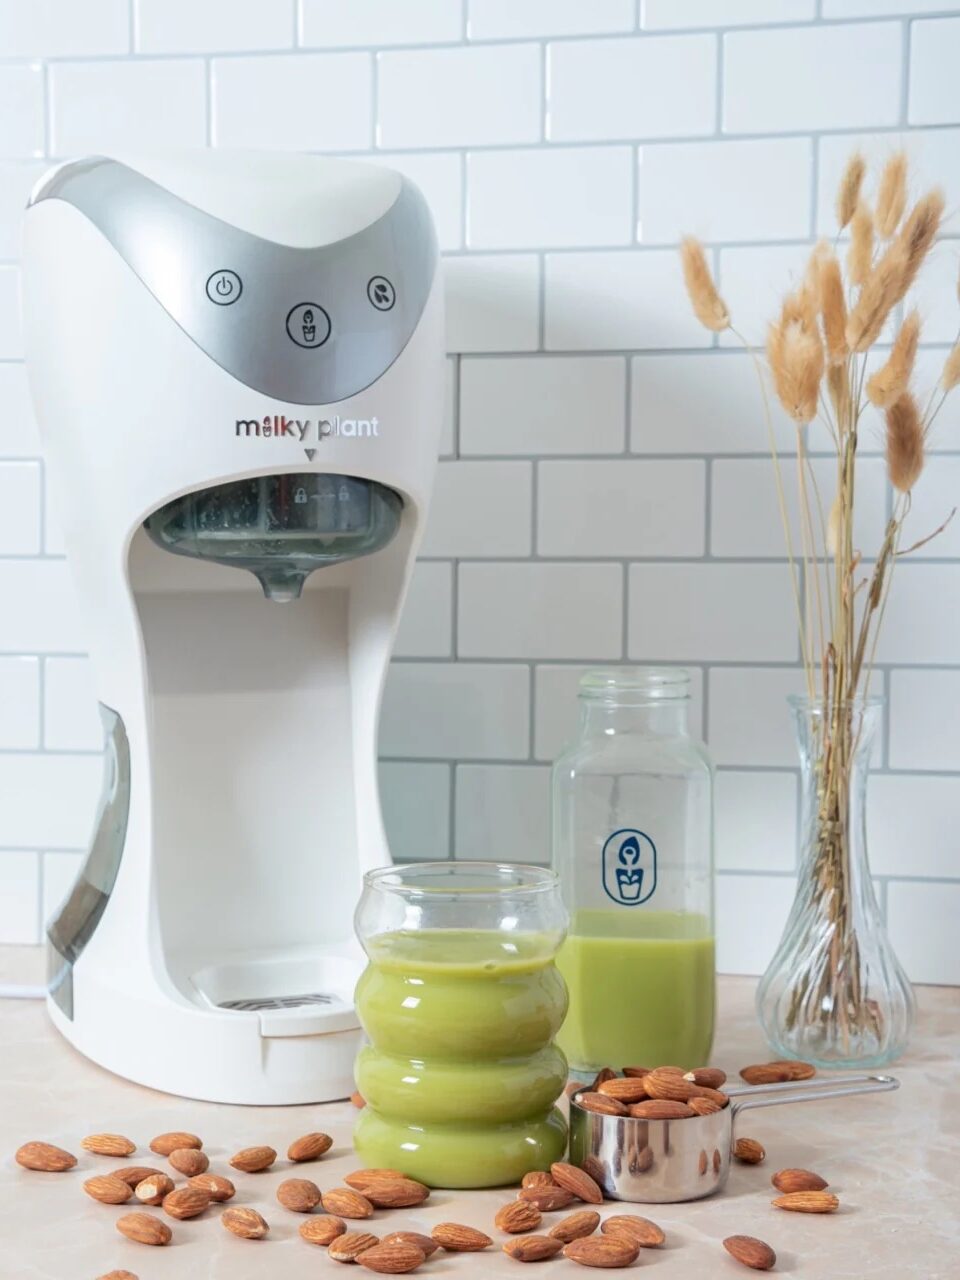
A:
[258,1003]
[296,992]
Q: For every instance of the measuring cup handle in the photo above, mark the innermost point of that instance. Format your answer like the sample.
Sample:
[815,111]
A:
[771,1095]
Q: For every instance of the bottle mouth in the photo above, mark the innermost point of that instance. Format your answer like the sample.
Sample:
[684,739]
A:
[635,684]
[449,880]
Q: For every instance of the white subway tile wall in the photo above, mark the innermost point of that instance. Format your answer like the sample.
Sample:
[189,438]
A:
[605,493]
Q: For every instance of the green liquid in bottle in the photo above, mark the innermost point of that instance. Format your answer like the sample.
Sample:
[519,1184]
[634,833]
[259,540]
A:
[642,990]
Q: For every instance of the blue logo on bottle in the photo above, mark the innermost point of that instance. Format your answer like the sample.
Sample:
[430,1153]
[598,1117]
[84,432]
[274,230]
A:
[629,867]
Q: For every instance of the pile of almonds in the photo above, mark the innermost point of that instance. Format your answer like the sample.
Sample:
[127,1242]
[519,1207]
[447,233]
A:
[661,1093]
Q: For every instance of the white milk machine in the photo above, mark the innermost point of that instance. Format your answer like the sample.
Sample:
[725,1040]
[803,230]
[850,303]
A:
[237,366]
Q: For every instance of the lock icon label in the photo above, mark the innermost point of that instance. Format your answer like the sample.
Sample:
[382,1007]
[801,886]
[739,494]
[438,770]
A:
[300,497]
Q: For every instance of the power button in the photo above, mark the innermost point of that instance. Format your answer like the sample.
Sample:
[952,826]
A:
[224,287]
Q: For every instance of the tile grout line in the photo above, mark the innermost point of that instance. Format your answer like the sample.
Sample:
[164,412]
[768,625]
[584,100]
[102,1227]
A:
[906,53]
[626,35]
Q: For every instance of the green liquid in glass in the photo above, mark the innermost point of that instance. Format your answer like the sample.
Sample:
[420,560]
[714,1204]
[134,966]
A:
[461,1073]
[642,989]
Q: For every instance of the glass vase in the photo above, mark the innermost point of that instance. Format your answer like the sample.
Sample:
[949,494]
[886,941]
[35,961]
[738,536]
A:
[834,993]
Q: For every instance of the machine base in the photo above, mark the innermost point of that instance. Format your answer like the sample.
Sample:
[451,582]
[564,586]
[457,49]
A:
[213,1056]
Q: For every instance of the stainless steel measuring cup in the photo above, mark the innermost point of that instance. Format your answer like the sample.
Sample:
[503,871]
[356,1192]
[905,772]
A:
[664,1161]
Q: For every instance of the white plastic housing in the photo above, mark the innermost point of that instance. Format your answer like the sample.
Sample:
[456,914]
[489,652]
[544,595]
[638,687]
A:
[252,726]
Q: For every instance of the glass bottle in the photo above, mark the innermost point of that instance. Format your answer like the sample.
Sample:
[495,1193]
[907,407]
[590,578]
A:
[834,992]
[461,1001]
[633,847]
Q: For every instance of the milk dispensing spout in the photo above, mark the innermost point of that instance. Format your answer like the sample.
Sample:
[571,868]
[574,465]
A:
[281,528]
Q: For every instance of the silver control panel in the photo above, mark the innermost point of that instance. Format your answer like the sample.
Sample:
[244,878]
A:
[308,326]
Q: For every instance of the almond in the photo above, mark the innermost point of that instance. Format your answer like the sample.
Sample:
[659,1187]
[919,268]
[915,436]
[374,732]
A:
[322,1229]
[537,1178]
[118,1275]
[187,1202]
[459,1239]
[164,1143]
[602,1251]
[703,1106]
[711,1095]
[669,1086]
[790,1180]
[358,1100]
[547,1199]
[392,1259]
[144,1228]
[517,1216]
[575,1086]
[625,1088]
[133,1174]
[155,1189]
[751,1252]
[636,1073]
[533,1248]
[777,1072]
[346,1203]
[189,1161]
[749,1151]
[108,1144]
[602,1103]
[426,1243]
[348,1247]
[310,1147]
[660,1109]
[807,1202]
[361,1178]
[576,1226]
[253,1159]
[605,1073]
[711,1077]
[595,1168]
[300,1195]
[108,1190]
[246,1223]
[396,1193]
[44,1158]
[219,1189]
[640,1230]
[577,1182]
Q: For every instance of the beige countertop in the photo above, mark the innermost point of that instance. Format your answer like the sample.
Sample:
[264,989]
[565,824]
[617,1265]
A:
[893,1159]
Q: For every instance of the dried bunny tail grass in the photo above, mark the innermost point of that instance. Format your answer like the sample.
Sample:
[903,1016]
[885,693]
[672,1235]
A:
[880,292]
[917,235]
[833,309]
[833,527]
[892,194]
[860,253]
[904,443]
[801,306]
[709,308]
[848,194]
[838,384]
[951,370]
[891,380]
[795,354]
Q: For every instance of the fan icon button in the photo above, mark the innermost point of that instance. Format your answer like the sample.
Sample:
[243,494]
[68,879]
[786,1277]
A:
[381,293]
